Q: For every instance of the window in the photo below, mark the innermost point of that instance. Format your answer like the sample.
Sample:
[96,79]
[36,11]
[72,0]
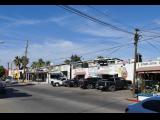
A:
[111,80]
[153,105]
[55,76]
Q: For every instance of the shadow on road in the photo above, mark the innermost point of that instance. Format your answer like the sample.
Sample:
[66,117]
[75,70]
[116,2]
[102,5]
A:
[11,93]
[20,85]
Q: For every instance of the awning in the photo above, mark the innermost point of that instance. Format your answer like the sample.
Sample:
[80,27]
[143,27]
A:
[153,69]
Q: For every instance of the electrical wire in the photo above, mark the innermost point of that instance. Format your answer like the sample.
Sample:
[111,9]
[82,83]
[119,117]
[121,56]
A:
[155,47]
[109,16]
[110,48]
[77,12]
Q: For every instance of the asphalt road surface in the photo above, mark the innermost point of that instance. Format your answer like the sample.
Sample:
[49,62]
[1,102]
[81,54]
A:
[48,99]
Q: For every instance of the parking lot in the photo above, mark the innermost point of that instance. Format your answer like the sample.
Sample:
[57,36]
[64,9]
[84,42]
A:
[45,98]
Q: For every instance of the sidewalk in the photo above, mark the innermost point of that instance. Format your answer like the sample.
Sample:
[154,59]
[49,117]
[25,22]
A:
[31,82]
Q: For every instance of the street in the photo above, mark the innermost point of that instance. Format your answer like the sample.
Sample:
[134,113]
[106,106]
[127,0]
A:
[48,99]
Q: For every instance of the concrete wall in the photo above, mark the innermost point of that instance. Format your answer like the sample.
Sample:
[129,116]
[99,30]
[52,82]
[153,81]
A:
[60,68]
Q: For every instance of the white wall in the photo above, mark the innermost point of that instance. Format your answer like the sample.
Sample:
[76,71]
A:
[60,68]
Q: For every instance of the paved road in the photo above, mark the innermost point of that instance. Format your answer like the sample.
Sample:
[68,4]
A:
[45,98]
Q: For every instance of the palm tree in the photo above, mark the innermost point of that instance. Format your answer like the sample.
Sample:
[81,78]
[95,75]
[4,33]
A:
[73,58]
[34,64]
[24,61]
[17,62]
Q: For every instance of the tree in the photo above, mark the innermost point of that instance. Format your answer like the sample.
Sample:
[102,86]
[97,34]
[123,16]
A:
[41,63]
[100,57]
[17,62]
[73,58]
[2,71]
[67,61]
[34,64]
[24,61]
[47,63]
[139,57]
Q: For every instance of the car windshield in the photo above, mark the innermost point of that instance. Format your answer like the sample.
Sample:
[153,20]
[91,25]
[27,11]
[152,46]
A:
[9,77]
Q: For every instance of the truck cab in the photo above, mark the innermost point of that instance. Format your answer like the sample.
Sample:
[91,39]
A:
[114,83]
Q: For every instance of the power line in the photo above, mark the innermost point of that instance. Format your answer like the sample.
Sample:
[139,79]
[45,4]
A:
[110,48]
[114,51]
[75,11]
[109,16]
[155,47]
[150,32]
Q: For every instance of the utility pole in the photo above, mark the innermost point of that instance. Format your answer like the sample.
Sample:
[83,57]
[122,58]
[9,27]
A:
[70,70]
[136,38]
[26,52]
[8,68]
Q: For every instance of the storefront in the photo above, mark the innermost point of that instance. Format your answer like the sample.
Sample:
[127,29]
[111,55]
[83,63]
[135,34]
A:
[79,75]
[149,73]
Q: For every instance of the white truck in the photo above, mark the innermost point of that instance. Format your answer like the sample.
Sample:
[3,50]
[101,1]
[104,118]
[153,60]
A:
[56,78]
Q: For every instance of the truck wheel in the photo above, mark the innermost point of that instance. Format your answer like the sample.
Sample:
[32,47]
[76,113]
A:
[52,83]
[112,88]
[90,86]
[57,84]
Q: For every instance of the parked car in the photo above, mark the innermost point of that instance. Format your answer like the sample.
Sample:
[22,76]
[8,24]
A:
[10,80]
[149,105]
[71,83]
[89,83]
[56,79]
[2,86]
[114,83]
[100,84]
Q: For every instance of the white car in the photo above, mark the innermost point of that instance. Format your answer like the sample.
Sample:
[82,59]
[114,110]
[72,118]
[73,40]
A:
[10,80]
[149,105]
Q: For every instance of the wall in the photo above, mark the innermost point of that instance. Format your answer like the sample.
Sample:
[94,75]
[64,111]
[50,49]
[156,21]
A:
[60,68]
[80,70]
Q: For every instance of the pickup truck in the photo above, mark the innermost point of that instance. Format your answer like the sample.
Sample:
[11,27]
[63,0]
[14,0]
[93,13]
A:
[113,84]
[89,83]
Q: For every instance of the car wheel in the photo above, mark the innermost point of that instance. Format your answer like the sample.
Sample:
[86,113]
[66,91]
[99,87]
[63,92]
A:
[52,83]
[90,86]
[57,84]
[112,88]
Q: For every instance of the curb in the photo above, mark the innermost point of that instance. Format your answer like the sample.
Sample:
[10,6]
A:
[133,100]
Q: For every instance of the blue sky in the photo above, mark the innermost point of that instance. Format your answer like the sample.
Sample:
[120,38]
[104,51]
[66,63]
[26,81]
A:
[54,33]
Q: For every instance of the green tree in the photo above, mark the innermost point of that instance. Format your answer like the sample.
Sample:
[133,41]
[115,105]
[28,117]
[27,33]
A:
[100,57]
[24,61]
[67,61]
[2,71]
[47,63]
[73,58]
[17,62]
[34,64]
[41,63]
